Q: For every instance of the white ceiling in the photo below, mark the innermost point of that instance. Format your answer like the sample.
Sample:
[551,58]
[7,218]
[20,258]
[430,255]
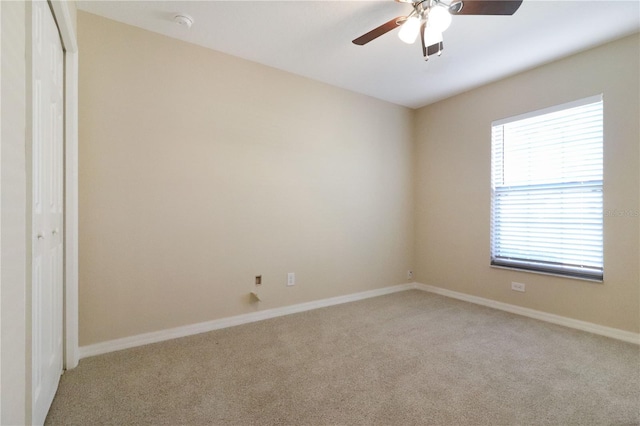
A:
[313,39]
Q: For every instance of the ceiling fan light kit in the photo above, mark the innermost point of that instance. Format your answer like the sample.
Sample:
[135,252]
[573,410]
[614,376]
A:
[430,18]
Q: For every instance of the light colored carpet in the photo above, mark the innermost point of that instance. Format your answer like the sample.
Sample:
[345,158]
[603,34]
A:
[402,359]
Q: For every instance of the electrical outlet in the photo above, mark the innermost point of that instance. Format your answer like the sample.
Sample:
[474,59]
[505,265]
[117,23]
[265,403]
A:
[409,274]
[517,287]
[258,279]
[291,278]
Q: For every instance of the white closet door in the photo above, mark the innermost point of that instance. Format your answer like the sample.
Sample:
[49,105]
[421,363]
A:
[47,278]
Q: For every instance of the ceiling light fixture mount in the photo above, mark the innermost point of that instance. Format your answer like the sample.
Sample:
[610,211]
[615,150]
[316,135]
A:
[430,18]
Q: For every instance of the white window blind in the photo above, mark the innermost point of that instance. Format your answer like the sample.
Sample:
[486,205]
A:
[546,183]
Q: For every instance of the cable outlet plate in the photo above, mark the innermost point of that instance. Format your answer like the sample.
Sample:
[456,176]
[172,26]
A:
[517,287]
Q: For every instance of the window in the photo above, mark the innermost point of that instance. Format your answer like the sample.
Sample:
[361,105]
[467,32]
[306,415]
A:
[546,190]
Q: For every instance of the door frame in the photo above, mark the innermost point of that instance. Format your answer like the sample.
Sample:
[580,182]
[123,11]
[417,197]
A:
[63,16]
[0,211]
[16,404]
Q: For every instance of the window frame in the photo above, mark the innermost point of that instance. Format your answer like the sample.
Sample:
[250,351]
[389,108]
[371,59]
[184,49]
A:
[531,263]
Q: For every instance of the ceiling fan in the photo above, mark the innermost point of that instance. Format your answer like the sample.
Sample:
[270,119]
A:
[429,19]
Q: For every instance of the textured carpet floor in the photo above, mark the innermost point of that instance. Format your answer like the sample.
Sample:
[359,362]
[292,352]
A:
[402,359]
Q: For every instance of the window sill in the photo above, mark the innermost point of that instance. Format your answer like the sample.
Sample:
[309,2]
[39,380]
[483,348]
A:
[592,280]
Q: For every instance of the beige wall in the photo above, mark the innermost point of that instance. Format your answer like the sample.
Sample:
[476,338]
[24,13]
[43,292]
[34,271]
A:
[199,171]
[453,192]
[13,218]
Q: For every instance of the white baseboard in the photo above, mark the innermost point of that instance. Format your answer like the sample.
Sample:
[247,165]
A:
[626,336]
[203,327]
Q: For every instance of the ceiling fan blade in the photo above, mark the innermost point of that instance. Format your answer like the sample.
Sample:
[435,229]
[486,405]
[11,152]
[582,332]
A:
[487,7]
[382,29]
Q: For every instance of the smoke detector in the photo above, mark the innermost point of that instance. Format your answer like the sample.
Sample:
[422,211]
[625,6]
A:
[183,20]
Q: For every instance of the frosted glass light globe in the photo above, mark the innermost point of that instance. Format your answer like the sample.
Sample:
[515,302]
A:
[439,18]
[410,30]
[431,36]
